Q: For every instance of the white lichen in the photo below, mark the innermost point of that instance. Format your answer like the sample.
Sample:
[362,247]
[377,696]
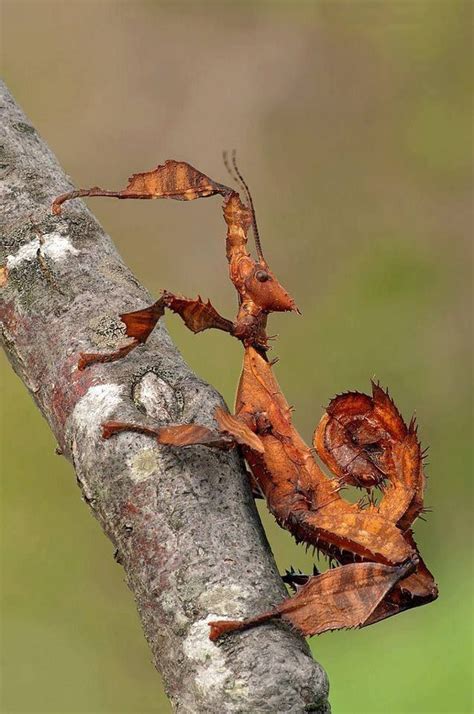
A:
[55,245]
[228,598]
[172,608]
[95,407]
[211,670]
[143,465]
[239,690]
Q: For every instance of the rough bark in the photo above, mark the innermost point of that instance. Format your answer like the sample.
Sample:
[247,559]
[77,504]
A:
[183,521]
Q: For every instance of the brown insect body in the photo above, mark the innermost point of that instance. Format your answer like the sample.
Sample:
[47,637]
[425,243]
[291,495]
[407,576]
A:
[362,439]
[258,289]
[310,505]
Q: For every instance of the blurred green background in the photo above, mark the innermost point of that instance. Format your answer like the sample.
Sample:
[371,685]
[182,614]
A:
[352,125]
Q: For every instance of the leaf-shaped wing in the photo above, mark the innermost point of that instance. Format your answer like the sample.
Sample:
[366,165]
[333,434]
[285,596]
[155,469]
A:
[341,597]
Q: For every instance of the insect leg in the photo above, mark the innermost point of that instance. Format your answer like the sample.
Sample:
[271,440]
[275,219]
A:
[365,534]
[417,589]
[174,435]
[229,433]
[174,179]
[139,324]
[339,598]
[196,315]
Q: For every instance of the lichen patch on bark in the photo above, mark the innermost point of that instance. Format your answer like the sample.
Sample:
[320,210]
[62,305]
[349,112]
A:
[212,672]
[143,465]
[228,599]
[55,246]
[106,331]
[97,404]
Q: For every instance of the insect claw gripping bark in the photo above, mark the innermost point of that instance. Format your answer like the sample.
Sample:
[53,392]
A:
[362,439]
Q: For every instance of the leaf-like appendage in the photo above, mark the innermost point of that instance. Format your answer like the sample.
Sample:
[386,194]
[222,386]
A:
[366,443]
[174,435]
[343,597]
[196,314]
[173,179]
[238,430]
[140,323]
[193,434]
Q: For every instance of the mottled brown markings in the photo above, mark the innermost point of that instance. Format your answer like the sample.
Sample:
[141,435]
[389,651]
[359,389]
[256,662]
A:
[196,314]
[175,435]
[3,276]
[174,179]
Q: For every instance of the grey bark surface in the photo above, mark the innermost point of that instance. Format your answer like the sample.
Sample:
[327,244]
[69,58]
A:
[183,521]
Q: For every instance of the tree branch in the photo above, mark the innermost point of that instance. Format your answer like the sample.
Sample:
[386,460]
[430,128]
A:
[183,521]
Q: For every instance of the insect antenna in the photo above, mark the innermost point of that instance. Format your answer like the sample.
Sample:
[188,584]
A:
[234,173]
[256,234]
[239,179]
[230,170]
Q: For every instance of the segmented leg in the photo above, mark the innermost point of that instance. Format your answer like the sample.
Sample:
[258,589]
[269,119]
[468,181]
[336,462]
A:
[139,324]
[226,437]
[88,358]
[196,315]
[174,179]
[339,598]
[176,435]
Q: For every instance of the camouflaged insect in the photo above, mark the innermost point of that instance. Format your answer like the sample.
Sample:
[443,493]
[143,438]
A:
[362,439]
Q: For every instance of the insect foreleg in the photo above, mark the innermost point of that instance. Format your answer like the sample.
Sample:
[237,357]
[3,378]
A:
[196,315]
[139,324]
[173,179]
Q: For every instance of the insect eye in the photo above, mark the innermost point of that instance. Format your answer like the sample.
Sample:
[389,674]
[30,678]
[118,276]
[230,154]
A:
[262,276]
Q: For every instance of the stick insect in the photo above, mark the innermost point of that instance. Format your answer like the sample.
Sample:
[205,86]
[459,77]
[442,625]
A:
[362,439]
